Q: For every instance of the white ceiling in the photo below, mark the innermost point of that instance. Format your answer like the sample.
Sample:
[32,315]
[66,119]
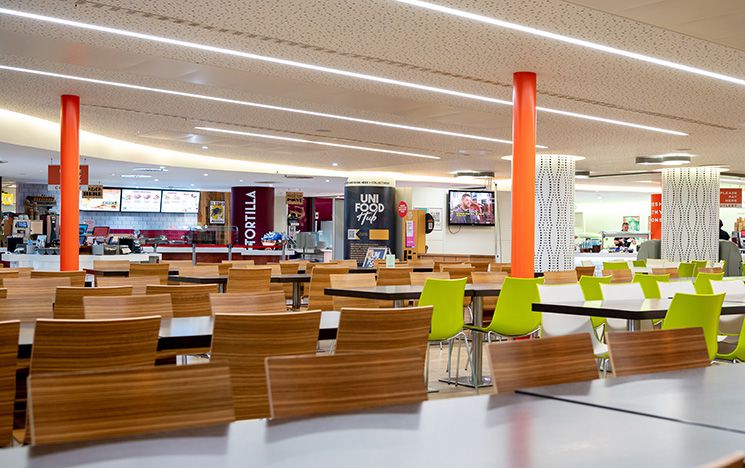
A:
[383,38]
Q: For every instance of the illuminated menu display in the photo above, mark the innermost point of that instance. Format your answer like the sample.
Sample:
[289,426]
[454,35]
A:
[110,202]
[143,201]
[180,202]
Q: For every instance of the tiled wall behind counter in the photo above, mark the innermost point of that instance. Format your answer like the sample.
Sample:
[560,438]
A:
[153,221]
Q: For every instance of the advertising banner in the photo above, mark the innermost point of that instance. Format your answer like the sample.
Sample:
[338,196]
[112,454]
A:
[369,217]
[655,220]
[730,198]
[252,212]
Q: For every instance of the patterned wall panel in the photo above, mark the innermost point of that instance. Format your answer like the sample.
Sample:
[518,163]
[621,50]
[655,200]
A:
[690,214]
[554,203]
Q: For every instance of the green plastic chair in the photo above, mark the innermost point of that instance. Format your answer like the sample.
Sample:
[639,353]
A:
[702,285]
[639,263]
[685,270]
[615,266]
[591,289]
[737,354]
[514,314]
[696,310]
[698,264]
[446,299]
[649,284]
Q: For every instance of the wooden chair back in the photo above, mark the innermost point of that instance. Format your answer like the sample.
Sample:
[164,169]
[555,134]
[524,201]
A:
[347,263]
[40,287]
[8,362]
[151,269]
[480,265]
[301,264]
[394,276]
[8,273]
[288,268]
[243,341]
[734,460]
[24,272]
[223,268]
[560,277]
[111,265]
[619,276]
[584,271]
[320,279]
[359,280]
[488,277]
[127,402]
[367,330]
[77,278]
[3,293]
[504,267]
[73,345]
[711,270]
[241,263]
[438,264]
[421,263]
[673,272]
[309,385]
[68,302]
[548,361]
[139,283]
[459,271]
[418,278]
[271,302]
[646,352]
[26,308]
[199,270]
[192,300]
[114,307]
[242,280]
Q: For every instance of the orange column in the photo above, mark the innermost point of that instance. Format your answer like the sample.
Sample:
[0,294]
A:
[69,183]
[523,174]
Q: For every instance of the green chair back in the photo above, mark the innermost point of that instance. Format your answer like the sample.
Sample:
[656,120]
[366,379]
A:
[739,352]
[639,263]
[446,299]
[685,270]
[615,266]
[591,286]
[649,284]
[514,314]
[696,310]
[698,264]
[702,285]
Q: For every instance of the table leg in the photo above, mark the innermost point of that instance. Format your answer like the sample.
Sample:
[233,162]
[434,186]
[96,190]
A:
[633,325]
[296,295]
[398,304]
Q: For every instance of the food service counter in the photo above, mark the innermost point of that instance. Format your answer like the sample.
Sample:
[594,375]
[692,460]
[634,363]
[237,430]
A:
[52,262]
[217,253]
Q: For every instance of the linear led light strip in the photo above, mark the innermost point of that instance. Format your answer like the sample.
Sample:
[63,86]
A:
[313,142]
[307,66]
[571,40]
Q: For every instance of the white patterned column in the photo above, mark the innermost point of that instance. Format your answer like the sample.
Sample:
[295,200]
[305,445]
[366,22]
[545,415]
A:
[690,214]
[554,212]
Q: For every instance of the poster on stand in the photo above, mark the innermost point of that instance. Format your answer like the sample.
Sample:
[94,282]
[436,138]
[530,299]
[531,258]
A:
[369,216]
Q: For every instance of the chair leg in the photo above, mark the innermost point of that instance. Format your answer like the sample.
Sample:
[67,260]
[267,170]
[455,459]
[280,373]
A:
[426,367]
[457,363]
[450,360]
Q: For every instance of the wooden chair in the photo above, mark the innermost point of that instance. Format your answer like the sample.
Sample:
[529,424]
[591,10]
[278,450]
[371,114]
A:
[480,265]
[560,277]
[711,270]
[584,271]
[646,352]
[418,278]
[199,270]
[8,273]
[347,263]
[309,385]
[8,361]
[223,268]
[24,272]
[26,308]
[139,283]
[301,264]
[249,280]
[151,269]
[77,278]
[111,265]
[73,345]
[39,287]
[547,361]
[438,264]
[394,276]
[450,267]
[365,330]
[619,276]
[85,406]
[734,460]
[191,300]
[320,280]
[244,341]
[364,280]
[68,303]
[241,263]
[503,267]
[421,263]
[271,302]
[3,293]
[489,277]
[113,307]
[673,272]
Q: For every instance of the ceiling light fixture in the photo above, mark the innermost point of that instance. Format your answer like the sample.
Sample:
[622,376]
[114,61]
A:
[570,156]
[205,147]
[475,174]
[136,176]
[572,40]
[581,174]
[335,164]
[664,160]
[307,66]
[313,142]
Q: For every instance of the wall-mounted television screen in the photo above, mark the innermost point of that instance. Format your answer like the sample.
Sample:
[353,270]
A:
[175,201]
[110,202]
[471,208]
[142,201]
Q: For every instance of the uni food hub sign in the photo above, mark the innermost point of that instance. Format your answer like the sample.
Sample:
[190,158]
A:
[369,216]
[252,213]
[368,208]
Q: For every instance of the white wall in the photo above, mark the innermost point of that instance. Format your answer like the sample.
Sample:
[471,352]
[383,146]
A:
[280,214]
[604,211]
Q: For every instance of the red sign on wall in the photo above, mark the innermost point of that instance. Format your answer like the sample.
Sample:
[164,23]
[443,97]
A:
[403,208]
[730,198]
[54,176]
[655,220]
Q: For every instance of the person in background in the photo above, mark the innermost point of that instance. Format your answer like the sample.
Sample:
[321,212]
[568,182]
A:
[624,242]
[722,233]
[467,211]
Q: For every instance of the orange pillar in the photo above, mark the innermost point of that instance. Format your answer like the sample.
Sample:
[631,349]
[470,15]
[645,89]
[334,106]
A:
[69,183]
[523,174]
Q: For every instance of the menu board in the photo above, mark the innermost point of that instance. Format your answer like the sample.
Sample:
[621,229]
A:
[143,201]
[110,202]
[180,202]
